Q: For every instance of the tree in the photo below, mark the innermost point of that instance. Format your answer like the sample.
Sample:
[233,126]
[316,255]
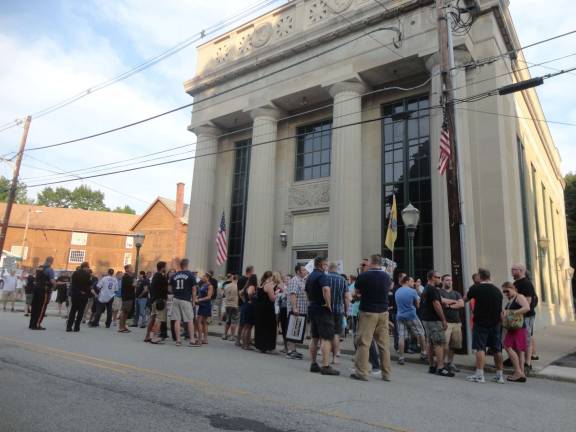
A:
[126,209]
[81,197]
[21,197]
[85,198]
[59,197]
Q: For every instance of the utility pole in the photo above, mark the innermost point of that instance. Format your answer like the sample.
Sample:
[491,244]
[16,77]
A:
[14,185]
[453,181]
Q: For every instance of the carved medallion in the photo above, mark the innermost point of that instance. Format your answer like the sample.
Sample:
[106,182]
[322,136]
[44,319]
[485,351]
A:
[261,35]
[338,6]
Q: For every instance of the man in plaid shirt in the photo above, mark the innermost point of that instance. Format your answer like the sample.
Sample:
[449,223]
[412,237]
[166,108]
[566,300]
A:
[297,303]
[340,302]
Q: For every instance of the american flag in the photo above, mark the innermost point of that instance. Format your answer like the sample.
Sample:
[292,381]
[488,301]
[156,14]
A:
[444,147]
[221,243]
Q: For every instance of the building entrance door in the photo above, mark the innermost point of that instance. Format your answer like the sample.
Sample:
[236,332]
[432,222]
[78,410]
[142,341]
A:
[302,256]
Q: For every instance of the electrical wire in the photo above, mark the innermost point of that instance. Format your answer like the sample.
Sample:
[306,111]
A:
[212,96]
[235,132]
[492,59]
[146,64]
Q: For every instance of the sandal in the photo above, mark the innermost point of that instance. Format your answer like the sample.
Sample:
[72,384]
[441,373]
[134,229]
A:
[157,341]
[194,344]
[124,331]
[178,343]
[520,379]
[148,340]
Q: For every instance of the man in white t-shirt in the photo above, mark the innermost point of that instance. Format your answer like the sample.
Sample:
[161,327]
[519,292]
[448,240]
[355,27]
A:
[9,289]
[108,286]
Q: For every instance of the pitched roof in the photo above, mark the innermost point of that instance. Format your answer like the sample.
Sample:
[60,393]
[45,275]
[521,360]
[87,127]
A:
[170,205]
[68,219]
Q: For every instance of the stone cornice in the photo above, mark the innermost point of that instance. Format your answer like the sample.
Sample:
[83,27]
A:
[366,14]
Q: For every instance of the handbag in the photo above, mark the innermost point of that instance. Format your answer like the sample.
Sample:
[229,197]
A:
[512,321]
[160,304]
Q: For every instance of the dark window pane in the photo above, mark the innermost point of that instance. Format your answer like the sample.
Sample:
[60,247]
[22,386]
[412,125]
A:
[316,158]
[325,156]
[325,171]
[412,128]
[307,173]
[424,126]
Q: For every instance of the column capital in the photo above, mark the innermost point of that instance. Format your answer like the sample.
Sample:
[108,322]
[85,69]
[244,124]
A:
[347,86]
[268,112]
[206,130]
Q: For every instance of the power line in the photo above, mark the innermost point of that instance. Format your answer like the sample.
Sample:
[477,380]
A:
[215,95]
[492,59]
[290,117]
[79,179]
[145,65]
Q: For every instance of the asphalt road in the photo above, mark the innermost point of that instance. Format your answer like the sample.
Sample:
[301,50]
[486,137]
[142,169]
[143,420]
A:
[100,380]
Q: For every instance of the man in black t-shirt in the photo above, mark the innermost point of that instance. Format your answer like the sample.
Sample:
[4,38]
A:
[128,296]
[435,324]
[320,313]
[373,286]
[487,332]
[158,297]
[526,288]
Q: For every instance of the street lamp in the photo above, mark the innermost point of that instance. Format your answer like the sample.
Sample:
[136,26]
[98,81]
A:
[411,217]
[138,240]
[283,238]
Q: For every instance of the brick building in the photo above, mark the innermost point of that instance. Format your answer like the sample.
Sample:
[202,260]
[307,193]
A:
[70,236]
[104,239]
[165,225]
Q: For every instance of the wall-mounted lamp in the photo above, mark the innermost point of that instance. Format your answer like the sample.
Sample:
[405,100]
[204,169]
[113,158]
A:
[543,244]
[283,238]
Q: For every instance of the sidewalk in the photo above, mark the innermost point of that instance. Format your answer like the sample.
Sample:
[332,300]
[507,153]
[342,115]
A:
[556,346]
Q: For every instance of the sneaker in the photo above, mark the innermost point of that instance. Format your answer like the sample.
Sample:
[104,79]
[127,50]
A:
[401,361]
[444,372]
[452,368]
[376,372]
[535,358]
[432,370]
[476,379]
[315,367]
[499,379]
[357,377]
[329,370]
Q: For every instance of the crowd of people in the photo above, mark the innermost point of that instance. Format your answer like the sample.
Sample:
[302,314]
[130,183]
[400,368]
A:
[379,309]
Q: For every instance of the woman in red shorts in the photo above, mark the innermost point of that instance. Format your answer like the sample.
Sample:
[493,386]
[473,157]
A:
[515,339]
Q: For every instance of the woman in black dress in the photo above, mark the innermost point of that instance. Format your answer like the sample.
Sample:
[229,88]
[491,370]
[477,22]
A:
[265,327]
[247,311]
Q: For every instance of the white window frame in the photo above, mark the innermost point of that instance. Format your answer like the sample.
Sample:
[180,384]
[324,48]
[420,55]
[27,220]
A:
[127,258]
[129,242]
[79,239]
[74,256]
[16,250]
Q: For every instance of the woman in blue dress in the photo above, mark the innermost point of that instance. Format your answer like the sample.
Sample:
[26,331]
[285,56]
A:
[204,302]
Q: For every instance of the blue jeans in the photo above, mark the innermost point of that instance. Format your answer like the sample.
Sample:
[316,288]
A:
[140,313]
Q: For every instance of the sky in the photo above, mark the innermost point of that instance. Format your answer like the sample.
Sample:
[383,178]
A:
[54,49]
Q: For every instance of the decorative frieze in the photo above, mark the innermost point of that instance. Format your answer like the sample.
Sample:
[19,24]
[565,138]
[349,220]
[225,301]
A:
[309,196]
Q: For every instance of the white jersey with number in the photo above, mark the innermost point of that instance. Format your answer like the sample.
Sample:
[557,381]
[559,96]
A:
[108,286]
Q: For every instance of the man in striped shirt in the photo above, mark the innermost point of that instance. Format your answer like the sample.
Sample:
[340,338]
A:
[340,302]
[297,303]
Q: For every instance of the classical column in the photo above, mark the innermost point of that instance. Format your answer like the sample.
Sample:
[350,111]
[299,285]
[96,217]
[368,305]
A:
[345,240]
[259,235]
[201,236]
[440,218]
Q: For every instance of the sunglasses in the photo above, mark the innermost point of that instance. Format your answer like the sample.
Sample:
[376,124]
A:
[506,291]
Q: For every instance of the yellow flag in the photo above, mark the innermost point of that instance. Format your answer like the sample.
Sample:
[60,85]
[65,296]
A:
[392,232]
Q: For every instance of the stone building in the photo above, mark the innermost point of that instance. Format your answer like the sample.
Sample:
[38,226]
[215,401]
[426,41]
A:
[308,118]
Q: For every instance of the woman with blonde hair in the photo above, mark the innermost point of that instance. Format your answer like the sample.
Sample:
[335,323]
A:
[516,333]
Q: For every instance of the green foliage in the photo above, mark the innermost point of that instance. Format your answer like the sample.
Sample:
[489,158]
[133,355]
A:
[126,209]
[81,197]
[21,197]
